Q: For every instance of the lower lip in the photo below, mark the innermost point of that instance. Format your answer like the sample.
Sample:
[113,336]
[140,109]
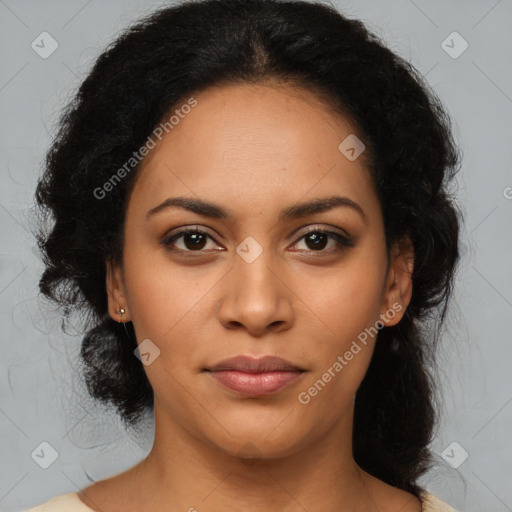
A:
[256,384]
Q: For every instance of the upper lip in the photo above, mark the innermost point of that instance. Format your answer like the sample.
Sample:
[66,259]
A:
[253,365]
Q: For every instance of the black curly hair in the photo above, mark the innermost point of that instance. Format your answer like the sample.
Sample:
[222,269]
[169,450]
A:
[182,49]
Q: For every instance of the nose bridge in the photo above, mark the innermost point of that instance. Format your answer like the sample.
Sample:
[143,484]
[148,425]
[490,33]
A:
[255,295]
[254,278]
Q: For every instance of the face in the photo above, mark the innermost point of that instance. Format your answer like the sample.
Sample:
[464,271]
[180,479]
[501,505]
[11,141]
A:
[254,273]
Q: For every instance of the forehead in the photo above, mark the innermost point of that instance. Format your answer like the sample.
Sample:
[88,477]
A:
[253,143]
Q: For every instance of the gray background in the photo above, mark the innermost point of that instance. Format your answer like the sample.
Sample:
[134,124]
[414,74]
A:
[42,399]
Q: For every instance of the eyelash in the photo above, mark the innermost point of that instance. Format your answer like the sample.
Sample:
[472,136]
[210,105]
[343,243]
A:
[343,241]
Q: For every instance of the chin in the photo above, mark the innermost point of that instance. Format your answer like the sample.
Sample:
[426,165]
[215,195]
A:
[253,443]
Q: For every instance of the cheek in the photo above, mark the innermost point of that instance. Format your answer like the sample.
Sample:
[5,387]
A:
[347,299]
[163,297]
[348,303]
[341,359]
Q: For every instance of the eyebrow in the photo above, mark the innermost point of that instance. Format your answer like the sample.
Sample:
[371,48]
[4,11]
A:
[296,211]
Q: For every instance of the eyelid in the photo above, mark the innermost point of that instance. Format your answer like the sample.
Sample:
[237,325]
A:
[190,228]
[326,228]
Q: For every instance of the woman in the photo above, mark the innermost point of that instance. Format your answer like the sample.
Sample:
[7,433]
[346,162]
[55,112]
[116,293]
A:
[251,200]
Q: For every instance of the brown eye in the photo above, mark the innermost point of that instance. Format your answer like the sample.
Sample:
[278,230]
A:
[194,241]
[316,240]
[190,241]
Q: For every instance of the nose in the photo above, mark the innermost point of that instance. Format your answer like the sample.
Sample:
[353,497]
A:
[256,298]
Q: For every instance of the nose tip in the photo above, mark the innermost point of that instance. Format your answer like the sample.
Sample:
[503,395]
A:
[256,299]
[255,327]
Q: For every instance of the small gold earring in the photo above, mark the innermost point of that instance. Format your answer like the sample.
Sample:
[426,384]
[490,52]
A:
[121,313]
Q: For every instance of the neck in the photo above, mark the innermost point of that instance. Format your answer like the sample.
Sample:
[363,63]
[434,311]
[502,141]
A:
[187,473]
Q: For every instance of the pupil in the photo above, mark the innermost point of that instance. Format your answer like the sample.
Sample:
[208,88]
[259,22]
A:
[197,243]
[319,240]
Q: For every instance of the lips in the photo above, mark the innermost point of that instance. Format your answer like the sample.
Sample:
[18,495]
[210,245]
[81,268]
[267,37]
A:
[251,365]
[255,377]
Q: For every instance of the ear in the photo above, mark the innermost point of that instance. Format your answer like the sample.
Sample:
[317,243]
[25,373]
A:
[398,287]
[116,292]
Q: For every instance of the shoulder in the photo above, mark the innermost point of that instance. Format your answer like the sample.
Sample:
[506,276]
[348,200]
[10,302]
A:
[431,503]
[63,503]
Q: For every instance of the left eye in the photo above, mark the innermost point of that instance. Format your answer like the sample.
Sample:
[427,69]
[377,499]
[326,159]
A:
[317,239]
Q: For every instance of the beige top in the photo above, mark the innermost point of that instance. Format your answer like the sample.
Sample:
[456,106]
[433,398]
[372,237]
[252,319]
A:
[72,503]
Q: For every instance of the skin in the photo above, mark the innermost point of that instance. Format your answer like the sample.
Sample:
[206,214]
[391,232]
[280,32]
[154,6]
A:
[254,149]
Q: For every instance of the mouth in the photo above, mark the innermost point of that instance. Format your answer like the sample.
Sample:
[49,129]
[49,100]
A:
[255,377]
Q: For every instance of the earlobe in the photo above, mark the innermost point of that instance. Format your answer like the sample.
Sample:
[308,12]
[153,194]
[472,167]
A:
[117,305]
[399,282]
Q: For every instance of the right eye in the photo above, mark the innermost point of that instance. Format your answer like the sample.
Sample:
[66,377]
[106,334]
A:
[192,242]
